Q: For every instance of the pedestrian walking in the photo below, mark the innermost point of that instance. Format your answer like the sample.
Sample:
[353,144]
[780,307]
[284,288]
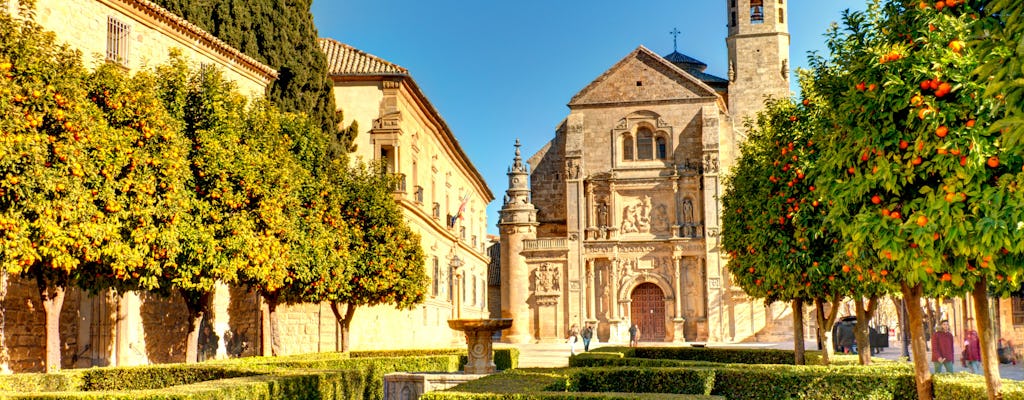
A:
[942,348]
[574,332]
[588,332]
[972,349]
[634,335]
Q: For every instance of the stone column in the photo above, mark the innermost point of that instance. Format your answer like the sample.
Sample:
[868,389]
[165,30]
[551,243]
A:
[591,292]
[613,284]
[679,322]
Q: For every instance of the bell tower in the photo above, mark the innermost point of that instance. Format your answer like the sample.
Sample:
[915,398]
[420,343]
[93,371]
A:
[517,224]
[758,45]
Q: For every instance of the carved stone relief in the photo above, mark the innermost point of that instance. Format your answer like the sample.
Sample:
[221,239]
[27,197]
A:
[636,216]
[546,278]
[572,169]
[711,163]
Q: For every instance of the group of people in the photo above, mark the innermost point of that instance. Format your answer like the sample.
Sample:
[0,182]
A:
[588,333]
[970,357]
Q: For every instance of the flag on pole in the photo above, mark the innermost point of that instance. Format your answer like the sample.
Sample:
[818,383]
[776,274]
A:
[458,215]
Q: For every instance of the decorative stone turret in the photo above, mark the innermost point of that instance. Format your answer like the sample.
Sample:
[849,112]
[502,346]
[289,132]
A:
[518,223]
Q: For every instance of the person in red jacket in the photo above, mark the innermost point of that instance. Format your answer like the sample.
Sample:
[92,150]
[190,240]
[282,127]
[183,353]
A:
[972,349]
[942,348]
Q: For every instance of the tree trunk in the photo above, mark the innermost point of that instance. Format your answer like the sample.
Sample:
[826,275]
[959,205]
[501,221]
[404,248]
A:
[196,304]
[272,333]
[825,322]
[989,361]
[922,375]
[344,322]
[53,300]
[860,330]
[5,354]
[798,332]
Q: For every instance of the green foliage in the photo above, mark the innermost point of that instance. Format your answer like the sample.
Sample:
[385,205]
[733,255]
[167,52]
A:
[911,126]
[643,380]
[1002,36]
[387,256]
[153,376]
[145,181]
[772,224]
[970,386]
[278,34]
[735,356]
[50,224]
[291,384]
[813,383]
[563,396]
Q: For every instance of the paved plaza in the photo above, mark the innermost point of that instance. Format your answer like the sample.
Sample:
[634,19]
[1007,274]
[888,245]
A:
[547,355]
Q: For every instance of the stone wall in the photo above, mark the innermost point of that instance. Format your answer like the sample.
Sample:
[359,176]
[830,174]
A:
[547,184]
[25,327]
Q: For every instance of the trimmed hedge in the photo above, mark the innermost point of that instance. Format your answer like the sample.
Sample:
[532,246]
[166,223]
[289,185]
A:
[813,382]
[356,378]
[299,385]
[504,358]
[561,396]
[643,380]
[538,383]
[371,369]
[730,356]
[963,385]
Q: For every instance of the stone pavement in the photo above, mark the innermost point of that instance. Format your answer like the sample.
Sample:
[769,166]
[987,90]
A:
[554,355]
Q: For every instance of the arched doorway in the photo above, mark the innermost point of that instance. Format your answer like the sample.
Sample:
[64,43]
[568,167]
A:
[647,310]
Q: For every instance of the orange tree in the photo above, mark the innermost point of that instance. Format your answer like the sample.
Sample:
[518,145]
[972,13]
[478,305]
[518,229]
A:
[385,256]
[144,171]
[215,227]
[910,128]
[50,222]
[280,242]
[772,227]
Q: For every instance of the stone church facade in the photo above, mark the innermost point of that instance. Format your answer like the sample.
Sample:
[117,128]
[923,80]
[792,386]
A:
[615,221]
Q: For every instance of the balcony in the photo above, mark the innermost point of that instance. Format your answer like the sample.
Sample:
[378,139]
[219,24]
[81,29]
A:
[546,244]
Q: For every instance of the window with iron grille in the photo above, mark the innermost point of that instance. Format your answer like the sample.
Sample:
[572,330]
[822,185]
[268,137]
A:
[118,34]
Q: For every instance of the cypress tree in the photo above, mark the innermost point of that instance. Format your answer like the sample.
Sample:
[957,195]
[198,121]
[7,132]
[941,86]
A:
[280,34]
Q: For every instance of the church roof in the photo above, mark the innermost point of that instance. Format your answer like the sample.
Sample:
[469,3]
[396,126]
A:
[343,59]
[696,68]
[702,88]
[687,62]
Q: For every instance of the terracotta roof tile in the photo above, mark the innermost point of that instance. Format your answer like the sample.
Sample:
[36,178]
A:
[343,59]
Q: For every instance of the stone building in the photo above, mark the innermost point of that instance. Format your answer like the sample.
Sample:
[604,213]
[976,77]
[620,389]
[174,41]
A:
[615,220]
[441,193]
[443,196]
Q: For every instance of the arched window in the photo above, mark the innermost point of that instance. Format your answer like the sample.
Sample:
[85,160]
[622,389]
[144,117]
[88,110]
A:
[782,16]
[627,147]
[660,147]
[644,144]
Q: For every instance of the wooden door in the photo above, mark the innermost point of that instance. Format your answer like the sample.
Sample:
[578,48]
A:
[647,311]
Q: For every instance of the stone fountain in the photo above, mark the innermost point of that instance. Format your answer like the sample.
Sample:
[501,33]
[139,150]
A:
[411,385]
[478,340]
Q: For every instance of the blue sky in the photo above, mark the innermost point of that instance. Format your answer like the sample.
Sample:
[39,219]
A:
[501,70]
